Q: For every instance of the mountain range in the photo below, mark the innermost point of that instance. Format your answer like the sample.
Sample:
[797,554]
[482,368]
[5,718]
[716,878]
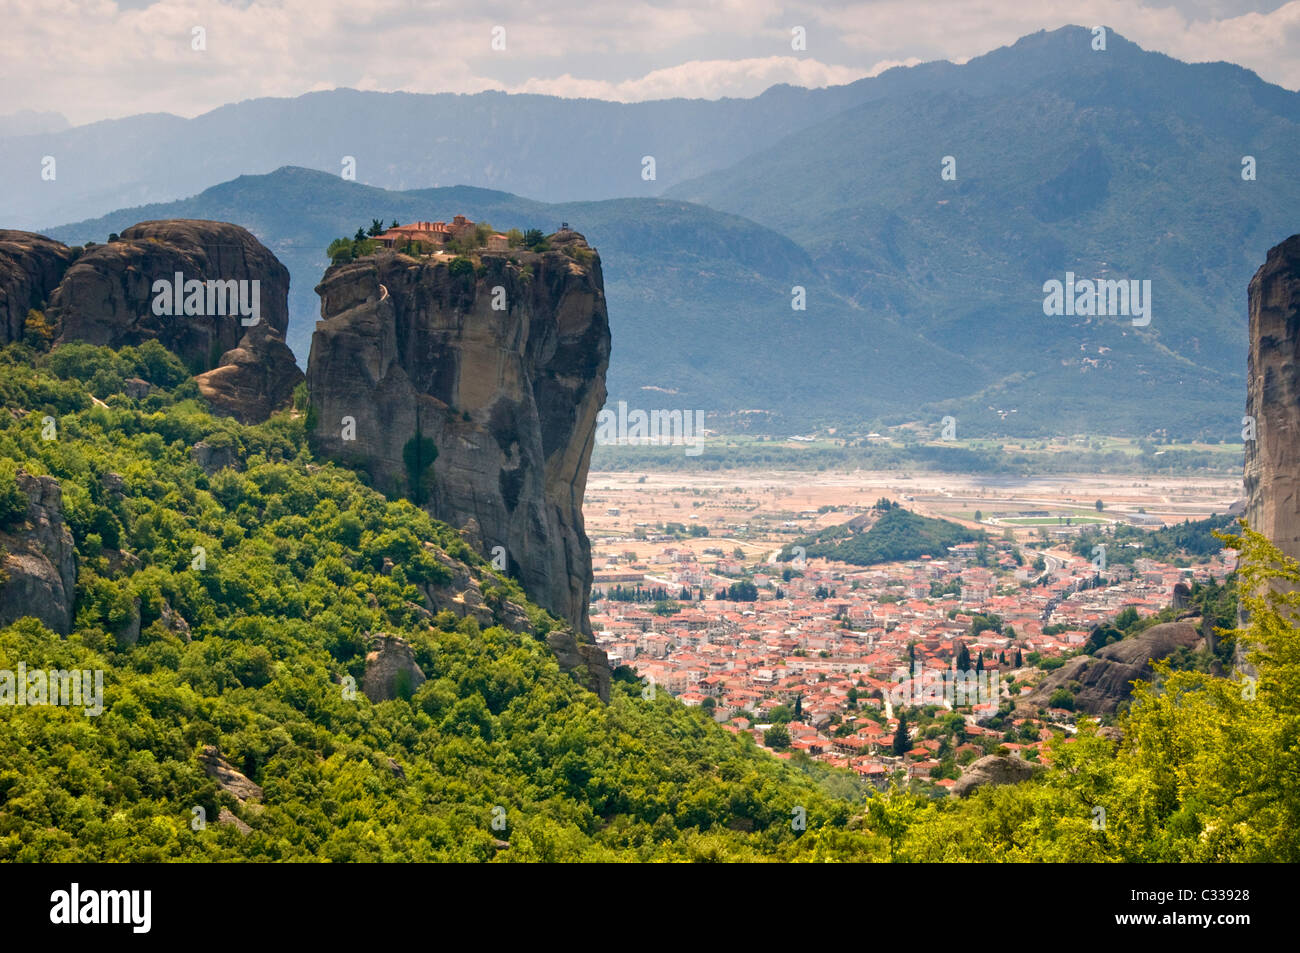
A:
[924,294]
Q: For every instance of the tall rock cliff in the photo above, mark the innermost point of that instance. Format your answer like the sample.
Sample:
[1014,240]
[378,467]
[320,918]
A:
[38,568]
[106,294]
[31,267]
[495,371]
[1272,470]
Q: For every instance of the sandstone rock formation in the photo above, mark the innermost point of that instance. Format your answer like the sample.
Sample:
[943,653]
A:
[391,670]
[227,818]
[38,571]
[463,595]
[994,769]
[227,777]
[582,659]
[31,267]
[1272,470]
[212,456]
[104,294]
[408,351]
[1105,678]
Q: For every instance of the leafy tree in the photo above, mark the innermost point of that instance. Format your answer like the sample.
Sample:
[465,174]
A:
[1062,698]
[13,501]
[418,456]
[38,330]
[743,591]
[777,737]
[340,251]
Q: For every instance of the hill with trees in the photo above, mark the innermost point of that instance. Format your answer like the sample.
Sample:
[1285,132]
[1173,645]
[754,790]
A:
[245,658]
[895,534]
[251,650]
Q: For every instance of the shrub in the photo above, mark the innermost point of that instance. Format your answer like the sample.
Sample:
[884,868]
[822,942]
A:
[13,501]
[1062,698]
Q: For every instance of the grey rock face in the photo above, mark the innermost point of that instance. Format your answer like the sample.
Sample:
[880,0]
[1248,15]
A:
[1272,471]
[104,295]
[391,670]
[994,769]
[31,267]
[509,397]
[39,575]
[1106,677]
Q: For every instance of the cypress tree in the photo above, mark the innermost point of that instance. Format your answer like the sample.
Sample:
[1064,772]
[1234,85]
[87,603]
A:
[902,743]
[963,658]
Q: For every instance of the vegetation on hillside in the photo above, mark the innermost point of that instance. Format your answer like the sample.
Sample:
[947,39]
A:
[294,579]
[897,534]
[1179,543]
[1203,773]
[303,561]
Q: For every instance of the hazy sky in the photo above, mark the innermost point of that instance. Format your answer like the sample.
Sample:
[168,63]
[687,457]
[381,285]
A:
[96,59]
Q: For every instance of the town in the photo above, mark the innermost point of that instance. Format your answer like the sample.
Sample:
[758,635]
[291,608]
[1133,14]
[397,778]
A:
[816,657]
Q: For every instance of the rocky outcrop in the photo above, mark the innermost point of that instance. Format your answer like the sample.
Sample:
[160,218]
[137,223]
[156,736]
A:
[462,594]
[1272,469]
[38,570]
[391,670]
[230,780]
[227,818]
[411,357]
[253,380]
[213,455]
[1272,464]
[1105,678]
[106,294]
[588,663]
[31,267]
[994,769]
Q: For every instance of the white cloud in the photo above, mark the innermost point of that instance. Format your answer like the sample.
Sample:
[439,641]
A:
[91,59]
[706,79]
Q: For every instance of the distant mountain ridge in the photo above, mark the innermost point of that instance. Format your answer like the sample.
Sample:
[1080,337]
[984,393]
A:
[544,146]
[924,295]
[1121,164]
[698,301]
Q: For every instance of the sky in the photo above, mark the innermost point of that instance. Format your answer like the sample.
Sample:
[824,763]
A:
[101,59]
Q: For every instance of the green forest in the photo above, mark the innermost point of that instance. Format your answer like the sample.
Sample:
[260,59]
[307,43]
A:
[1125,543]
[250,649]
